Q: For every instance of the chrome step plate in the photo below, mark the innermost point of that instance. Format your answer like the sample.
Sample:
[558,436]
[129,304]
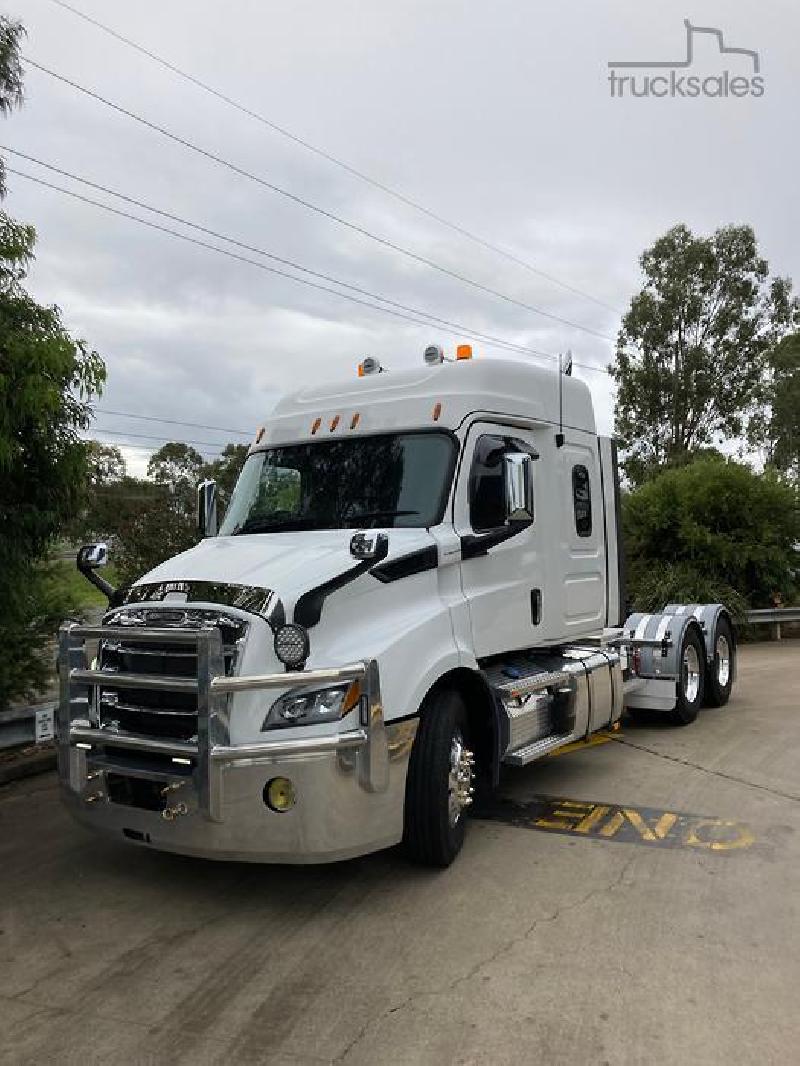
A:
[530,752]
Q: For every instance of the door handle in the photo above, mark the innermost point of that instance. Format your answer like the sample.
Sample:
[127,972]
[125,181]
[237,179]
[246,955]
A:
[536,606]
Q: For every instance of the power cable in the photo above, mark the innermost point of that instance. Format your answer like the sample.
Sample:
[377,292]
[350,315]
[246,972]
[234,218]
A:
[460,329]
[384,241]
[170,421]
[279,259]
[330,158]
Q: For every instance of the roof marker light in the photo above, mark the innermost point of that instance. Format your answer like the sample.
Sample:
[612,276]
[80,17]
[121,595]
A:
[433,355]
[315,427]
[260,434]
[355,420]
[437,410]
[334,422]
[464,351]
[369,365]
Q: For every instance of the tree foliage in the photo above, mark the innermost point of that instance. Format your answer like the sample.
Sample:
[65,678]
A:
[692,353]
[712,530]
[47,380]
[782,422]
[150,520]
[11,34]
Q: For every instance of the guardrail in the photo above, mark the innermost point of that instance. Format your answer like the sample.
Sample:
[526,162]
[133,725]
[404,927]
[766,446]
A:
[27,725]
[773,616]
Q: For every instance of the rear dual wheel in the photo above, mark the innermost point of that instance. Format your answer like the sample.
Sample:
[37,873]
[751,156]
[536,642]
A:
[719,678]
[690,685]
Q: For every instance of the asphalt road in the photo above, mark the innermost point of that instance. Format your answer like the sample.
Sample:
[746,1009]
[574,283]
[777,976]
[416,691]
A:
[602,927]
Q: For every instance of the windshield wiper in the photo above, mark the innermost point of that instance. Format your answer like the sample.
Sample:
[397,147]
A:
[365,515]
[271,525]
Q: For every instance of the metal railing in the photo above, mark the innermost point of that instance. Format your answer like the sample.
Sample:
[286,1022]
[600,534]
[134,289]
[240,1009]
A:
[774,616]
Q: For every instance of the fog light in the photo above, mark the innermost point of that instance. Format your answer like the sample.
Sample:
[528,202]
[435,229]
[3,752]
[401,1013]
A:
[279,794]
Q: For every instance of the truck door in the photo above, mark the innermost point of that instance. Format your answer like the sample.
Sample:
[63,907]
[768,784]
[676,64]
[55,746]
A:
[502,581]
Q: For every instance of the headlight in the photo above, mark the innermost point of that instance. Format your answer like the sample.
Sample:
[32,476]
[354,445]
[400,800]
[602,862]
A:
[291,644]
[307,706]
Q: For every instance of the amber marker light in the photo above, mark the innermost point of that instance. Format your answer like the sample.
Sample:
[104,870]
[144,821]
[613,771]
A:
[259,435]
[464,351]
[355,420]
[334,422]
[315,427]
[437,410]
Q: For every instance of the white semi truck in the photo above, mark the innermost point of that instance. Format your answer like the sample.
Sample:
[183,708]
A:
[419,579]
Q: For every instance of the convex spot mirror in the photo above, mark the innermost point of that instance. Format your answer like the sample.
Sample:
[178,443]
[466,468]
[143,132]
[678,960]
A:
[374,546]
[92,556]
[207,508]
[518,476]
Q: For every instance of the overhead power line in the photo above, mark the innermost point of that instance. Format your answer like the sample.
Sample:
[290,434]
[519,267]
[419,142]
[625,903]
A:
[163,439]
[435,319]
[272,270]
[330,158]
[459,329]
[170,421]
[310,206]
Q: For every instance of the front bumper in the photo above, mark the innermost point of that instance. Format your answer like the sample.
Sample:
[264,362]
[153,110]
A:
[207,799]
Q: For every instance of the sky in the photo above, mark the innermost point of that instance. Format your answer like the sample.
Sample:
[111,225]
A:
[497,117]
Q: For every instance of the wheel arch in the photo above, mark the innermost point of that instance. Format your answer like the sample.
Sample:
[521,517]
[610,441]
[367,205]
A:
[485,719]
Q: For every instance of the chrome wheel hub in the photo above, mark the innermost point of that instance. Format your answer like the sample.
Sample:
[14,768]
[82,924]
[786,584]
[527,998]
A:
[723,661]
[691,673]
[459,780]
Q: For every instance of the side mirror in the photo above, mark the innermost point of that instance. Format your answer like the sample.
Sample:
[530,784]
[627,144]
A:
[518,475]
[207,508]
[92,556]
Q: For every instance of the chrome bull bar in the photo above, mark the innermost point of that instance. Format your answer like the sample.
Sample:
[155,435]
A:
[86,751]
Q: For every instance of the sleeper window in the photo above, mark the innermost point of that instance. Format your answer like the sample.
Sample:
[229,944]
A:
[582,501]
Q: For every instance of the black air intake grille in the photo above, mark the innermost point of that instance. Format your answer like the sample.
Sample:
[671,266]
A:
[149,712]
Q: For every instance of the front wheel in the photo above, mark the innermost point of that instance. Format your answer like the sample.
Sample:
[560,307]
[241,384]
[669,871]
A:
[439,782]
[690,684]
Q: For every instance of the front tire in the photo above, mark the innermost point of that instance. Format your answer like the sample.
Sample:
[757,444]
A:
[719,677]
[438,785]
[690,684]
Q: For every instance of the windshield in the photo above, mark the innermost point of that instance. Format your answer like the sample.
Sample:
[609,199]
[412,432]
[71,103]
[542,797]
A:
[392,480]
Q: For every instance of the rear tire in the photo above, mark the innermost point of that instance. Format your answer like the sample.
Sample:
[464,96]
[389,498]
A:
[719,673]
[690,684]
[438,782]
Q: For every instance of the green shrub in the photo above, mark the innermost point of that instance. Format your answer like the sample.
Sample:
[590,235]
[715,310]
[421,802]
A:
[711,531]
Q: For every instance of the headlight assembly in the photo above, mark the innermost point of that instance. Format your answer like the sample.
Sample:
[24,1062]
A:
[308,706]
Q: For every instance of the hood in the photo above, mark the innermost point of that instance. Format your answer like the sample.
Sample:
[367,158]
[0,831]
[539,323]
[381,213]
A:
[287,563]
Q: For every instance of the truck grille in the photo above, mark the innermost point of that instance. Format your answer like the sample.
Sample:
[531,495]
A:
[149,712]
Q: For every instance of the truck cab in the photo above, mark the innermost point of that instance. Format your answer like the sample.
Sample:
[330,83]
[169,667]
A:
[418,579]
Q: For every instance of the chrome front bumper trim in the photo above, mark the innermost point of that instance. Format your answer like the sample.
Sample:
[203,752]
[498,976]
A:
[207,798]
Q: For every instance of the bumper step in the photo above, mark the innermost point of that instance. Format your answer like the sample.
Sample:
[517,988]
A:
[530,752]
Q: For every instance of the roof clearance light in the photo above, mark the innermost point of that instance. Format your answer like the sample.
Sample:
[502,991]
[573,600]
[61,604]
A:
[334,422]
[355,420]
[437,410]
[464,351]
[369,365]
[259,435]
[315,427]
[433,355]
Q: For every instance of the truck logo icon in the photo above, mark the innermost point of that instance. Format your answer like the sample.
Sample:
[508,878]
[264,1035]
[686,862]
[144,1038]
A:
[726,83]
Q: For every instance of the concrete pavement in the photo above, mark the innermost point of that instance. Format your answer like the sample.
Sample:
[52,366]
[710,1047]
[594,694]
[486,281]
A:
[541,944]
